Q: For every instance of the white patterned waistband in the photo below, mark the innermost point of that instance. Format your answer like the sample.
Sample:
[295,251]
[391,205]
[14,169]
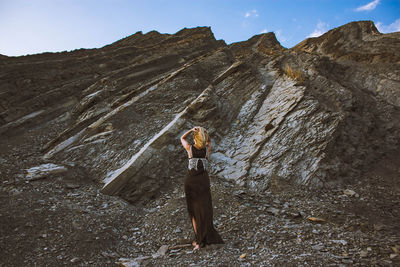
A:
[193,162]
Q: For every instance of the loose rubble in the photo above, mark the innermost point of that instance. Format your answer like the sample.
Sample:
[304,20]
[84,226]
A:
[56,225]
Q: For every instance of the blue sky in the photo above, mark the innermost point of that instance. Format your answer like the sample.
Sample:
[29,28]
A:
[35,26]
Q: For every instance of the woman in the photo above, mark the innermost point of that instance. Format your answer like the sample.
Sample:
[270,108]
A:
[197,188]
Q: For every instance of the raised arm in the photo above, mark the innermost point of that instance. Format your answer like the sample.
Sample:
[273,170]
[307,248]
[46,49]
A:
[186,144]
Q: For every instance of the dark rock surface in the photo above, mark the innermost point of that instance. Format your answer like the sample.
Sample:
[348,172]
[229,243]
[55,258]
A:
[311,131]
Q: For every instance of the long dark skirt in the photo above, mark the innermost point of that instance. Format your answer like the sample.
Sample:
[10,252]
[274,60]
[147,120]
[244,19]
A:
[199,205]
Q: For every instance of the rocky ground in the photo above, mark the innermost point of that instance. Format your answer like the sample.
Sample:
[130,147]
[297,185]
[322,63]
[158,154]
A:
[63,220]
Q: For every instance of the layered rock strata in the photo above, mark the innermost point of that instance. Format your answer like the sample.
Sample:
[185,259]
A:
[313,115]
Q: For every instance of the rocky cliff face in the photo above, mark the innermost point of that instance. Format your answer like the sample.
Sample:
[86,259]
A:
[316,115]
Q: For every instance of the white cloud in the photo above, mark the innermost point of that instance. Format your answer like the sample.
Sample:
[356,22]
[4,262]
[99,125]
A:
[368,7]
[280,36]
[253,13]
[394,27]
[319,30]
[264,31]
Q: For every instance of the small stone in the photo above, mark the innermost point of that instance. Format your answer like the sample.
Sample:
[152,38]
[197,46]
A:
[155,255]
[240,183]
[273,211]
[318,247]
[343,242]
[75,260]
[239,192]
[128,262]
[316,219]
[363,253]
[295,214]
[152,210]
[162,250]
[109,254]
[243,256]
[347,261]
[349,192]
[392,256]
[277,201]
[71,186]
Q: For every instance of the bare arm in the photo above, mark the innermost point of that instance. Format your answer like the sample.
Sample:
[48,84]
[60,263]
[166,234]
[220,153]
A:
[186,144]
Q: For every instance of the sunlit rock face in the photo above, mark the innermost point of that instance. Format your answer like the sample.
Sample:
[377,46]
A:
[314,115]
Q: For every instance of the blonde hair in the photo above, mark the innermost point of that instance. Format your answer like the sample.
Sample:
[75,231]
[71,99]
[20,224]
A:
[201,137]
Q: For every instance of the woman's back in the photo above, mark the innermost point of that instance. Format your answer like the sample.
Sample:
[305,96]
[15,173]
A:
[199,153]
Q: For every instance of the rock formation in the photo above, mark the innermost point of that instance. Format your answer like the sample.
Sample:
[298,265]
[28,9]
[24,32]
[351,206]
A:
[315,115]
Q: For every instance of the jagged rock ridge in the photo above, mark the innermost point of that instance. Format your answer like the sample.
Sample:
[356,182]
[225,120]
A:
[314,115]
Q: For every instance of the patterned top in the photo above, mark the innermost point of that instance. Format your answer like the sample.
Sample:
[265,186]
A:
[197,159]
